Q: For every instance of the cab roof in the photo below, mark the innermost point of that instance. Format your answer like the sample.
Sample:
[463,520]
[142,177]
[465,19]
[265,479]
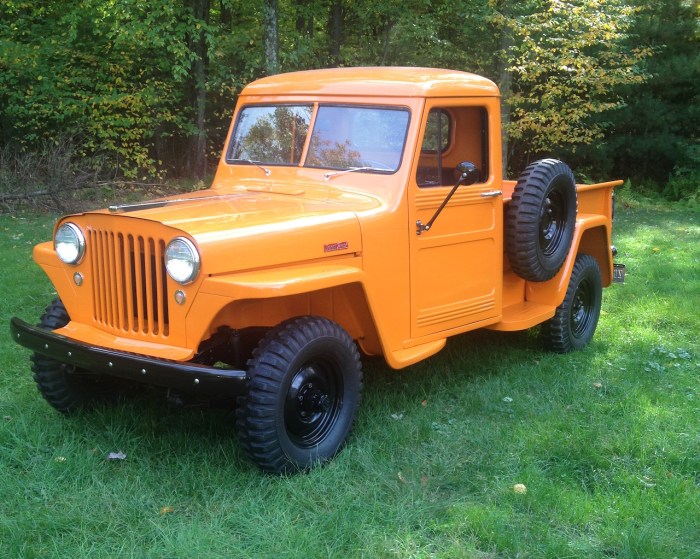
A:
[382,81]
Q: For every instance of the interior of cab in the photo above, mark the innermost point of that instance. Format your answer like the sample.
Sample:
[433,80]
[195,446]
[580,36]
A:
[453,135]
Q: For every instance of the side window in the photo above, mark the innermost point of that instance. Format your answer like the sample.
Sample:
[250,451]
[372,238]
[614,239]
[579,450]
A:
[437,131]
[437,134]
[462,133]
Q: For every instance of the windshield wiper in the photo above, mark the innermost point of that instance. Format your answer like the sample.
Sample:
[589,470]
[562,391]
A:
[329,175]
[258,164]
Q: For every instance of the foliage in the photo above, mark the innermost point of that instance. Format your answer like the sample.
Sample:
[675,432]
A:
[68,72]
[656,133]
[568,61]
[150,86]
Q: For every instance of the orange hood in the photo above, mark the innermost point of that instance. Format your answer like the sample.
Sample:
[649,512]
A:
[255,228]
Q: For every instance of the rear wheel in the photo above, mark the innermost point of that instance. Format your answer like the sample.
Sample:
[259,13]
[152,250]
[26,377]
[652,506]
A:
[303,395]
[65,387]
[575,320]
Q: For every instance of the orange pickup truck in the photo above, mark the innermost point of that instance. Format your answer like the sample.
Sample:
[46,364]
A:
[356,210]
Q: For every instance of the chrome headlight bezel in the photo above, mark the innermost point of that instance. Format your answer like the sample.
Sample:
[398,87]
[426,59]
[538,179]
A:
[182,260]
[69,244]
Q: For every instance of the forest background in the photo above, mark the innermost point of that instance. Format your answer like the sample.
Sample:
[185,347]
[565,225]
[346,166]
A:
[96,92]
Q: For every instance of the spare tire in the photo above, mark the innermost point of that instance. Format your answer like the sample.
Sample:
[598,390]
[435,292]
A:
[540,220]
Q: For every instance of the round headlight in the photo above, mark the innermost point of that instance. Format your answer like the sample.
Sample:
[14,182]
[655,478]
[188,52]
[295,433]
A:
[69,243]
[182,260]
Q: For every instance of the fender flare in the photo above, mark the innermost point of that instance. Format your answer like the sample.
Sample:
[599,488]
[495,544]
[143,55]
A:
[219,292]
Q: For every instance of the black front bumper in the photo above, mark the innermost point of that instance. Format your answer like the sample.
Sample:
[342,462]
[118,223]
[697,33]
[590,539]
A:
[187,377]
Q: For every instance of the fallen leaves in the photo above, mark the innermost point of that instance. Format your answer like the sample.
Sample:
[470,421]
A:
[116,456]
[424,479]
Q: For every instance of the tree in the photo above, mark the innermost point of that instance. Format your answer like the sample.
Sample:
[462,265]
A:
[198,45]
[568,61]
[151,85]
[655,135]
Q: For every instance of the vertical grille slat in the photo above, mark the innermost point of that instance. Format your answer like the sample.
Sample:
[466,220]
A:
[138,286]
[161,287]
[104,274]
[112,281]
[129,287]
[93,244]
[122,320]
[148,262]
[128,283]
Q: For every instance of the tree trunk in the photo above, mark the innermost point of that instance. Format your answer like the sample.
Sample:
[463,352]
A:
[225,18]
[271,36]
[200,10]
[505,81]
[304,19]
[335,26]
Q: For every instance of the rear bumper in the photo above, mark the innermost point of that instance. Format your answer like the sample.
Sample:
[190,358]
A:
[188,377]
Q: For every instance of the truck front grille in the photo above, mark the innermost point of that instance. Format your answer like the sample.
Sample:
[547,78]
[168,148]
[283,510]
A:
[129,287]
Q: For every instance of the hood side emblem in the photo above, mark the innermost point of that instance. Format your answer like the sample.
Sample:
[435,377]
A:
[332,247]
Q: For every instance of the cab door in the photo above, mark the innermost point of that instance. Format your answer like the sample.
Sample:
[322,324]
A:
[456,266]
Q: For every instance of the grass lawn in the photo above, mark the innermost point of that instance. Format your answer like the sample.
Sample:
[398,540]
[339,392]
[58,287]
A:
[605,441]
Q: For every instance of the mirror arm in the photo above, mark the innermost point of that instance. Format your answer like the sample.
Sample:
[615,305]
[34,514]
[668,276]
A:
[420,226]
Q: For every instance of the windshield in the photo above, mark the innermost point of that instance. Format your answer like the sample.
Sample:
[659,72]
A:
[274,135]
[343,136]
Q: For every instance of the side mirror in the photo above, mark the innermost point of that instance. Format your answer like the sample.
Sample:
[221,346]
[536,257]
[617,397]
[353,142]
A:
[467,173]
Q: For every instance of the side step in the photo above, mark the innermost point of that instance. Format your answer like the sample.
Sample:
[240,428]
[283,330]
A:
[523,315]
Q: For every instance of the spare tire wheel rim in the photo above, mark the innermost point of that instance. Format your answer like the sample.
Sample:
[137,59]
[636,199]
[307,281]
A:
[552,222]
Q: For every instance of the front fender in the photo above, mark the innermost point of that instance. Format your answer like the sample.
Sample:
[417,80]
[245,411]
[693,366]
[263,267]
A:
[280,282]
[266,297]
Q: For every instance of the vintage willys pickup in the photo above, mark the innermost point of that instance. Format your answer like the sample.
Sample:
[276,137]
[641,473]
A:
[353,210]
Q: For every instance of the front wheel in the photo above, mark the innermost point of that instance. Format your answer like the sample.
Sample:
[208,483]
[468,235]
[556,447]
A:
[303,395]
[575,320]
[65,387]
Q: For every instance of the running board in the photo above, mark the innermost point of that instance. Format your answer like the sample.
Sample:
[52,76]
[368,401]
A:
[522,316]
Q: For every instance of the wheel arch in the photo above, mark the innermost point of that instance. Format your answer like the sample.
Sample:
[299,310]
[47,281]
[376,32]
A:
[596,242]
[591,236]
[238,305]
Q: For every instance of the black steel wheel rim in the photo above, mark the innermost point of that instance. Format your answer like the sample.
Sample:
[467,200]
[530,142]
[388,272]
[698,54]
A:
[582,308]
[552,222]
[313,403]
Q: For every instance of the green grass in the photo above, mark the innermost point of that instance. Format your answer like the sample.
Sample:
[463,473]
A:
[606,441]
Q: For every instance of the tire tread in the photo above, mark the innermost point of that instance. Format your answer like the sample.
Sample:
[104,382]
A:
[256,412]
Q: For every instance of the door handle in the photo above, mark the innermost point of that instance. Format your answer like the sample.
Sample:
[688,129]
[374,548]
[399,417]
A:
[491,193]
